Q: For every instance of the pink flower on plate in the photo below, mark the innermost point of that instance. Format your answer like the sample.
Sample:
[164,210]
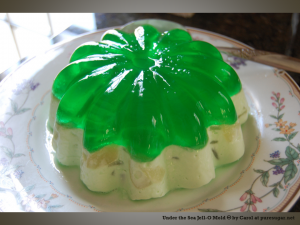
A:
[244,207]
[274,104]
[43,203]
[54,196]
[257,199]
[9,131]
[253,199]
[281,100]
[2,125]
[254,209]
[282,107]
[278,94]
[273,98]
[244,196]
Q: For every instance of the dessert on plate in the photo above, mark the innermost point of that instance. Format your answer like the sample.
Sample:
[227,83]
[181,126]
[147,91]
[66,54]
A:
[147,110]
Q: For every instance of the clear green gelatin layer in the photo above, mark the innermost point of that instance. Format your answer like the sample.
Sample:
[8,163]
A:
[146,90]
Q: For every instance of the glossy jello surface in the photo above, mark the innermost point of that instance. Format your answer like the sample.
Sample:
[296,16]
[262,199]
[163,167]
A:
[145,91]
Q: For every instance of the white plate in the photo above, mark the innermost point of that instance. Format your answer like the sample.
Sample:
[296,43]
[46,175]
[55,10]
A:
[31,180]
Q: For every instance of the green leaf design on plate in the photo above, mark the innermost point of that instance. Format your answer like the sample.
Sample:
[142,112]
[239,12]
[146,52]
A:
[276,192]
[20,111]
[279,162]
[291,153]
[279,139]
[275,117]
[40,196]
[14,106]
[259,171]
[8,152]
[273,185]
[280,116]
[290,172]
[265,178]
[292,135]
[276,129]
[9,136]
[51,207]
[18,155]
[29,188]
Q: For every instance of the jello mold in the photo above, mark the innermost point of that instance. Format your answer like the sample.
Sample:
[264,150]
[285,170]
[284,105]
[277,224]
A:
[147,111]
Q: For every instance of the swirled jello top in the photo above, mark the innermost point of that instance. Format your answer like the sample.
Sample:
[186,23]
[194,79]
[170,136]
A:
[146,90]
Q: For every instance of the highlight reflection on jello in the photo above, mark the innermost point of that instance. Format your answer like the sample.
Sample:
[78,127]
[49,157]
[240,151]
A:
[146,91]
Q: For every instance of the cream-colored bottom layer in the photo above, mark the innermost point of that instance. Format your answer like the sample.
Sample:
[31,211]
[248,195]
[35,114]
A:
[176,167]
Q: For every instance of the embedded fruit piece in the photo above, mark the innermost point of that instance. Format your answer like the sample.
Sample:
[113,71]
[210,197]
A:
[104,157]
[231,132]
[155,174]
[139,178]
[103,170]
[144,174]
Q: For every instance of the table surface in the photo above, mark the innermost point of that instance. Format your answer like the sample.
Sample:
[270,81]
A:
[276,32]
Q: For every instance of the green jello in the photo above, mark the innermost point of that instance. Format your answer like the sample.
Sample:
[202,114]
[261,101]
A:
[146,90]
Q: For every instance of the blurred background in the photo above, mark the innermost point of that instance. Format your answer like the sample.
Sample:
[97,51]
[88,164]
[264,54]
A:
[26,34]
[23,35]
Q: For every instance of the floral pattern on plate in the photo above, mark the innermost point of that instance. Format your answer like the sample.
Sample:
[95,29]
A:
[285,168]
[11,172]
